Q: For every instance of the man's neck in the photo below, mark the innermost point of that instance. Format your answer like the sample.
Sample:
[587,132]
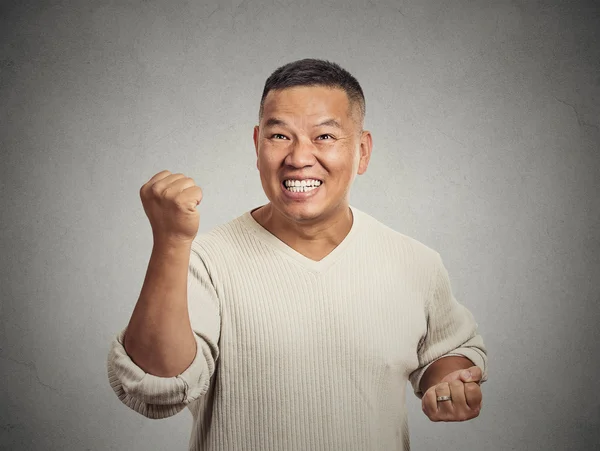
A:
[313,240]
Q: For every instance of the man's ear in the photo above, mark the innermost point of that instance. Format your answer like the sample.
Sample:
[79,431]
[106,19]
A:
[255,136]
[366,147]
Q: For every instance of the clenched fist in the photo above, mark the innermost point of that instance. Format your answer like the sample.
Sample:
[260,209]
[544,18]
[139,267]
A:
[460,395]
[170,202]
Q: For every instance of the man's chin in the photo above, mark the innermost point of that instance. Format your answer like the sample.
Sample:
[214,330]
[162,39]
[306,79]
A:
[301,212]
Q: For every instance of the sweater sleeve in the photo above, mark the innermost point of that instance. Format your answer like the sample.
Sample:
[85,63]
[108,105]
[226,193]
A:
[161,397]
[451,330]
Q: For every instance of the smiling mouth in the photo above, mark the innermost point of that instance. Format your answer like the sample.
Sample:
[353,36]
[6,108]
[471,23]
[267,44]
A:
[301,186]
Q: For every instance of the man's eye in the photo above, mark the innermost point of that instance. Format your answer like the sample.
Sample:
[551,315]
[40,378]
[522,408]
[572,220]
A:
[278,136]
[325,137]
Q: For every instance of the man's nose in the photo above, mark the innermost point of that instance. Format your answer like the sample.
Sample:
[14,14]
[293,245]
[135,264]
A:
[301,153]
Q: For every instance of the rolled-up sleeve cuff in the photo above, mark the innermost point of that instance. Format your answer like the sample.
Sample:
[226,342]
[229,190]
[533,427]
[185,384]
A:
[142,391]
[473,354]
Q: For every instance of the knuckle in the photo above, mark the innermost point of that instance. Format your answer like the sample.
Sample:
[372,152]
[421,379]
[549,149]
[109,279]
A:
[471,388]
[168,193]
[179,202]
[155,190]
[442,388]
[456,384]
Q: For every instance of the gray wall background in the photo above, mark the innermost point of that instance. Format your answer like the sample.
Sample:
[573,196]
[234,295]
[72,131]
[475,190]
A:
[485,117]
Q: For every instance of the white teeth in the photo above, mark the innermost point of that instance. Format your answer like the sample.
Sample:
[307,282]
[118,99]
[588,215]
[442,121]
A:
[309,182]
[301,186]
[301,189]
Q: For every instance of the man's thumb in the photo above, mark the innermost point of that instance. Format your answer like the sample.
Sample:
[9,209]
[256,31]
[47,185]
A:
[453,376]
[472,374]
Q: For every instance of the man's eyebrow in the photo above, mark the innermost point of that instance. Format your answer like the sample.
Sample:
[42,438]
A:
[329,123]
[274,122]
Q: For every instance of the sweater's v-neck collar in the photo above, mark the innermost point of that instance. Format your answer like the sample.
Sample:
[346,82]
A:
[310,264]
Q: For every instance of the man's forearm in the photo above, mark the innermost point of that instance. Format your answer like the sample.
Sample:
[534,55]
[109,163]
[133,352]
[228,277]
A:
[159,337]
[441,368]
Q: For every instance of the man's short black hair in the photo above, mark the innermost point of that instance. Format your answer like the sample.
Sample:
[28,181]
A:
[314,72]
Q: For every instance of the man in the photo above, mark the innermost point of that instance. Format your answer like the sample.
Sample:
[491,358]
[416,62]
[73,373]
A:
[296,325]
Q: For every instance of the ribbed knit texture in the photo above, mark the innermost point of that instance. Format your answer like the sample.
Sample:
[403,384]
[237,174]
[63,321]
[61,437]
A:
[295,354]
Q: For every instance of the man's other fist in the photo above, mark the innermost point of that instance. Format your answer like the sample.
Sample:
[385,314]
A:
[462,388]
[170,202]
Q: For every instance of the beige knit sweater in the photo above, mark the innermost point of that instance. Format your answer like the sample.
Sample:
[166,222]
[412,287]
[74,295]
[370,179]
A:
[295,354]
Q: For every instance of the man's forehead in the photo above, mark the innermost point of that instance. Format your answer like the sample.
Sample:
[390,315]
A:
[319,103]
[277,96]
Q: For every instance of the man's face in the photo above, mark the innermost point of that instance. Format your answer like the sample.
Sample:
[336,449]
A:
[309,135]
